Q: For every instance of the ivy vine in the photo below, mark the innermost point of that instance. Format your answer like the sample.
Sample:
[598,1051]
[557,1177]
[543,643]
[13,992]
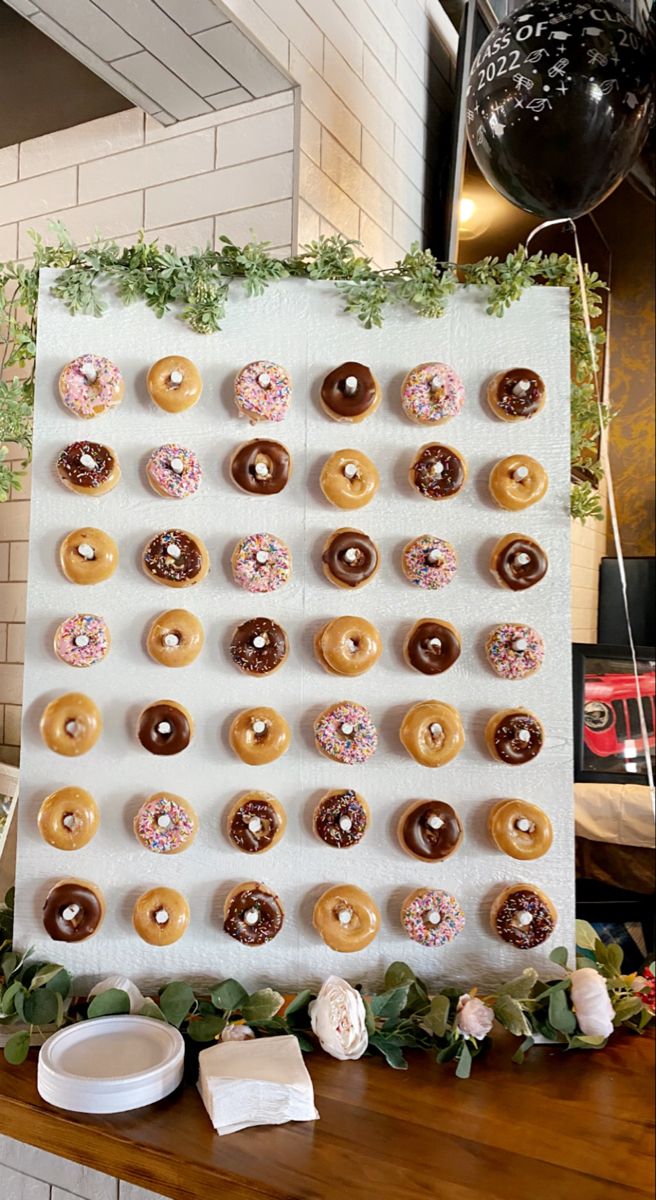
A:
[196,286]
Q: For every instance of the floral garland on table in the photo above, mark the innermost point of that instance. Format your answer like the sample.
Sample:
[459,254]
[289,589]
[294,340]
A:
[580,1009]
[198,284]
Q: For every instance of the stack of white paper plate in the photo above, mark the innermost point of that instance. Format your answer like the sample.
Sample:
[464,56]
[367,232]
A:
[110,1064]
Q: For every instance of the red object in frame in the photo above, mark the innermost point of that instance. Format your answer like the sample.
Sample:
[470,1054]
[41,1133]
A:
[611,720]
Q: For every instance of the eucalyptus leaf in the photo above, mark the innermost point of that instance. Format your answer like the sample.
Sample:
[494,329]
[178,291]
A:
[17,1047]
[627,1007]
[228,995]
[436,1019]
[304,1042]
[559,955]
[176,1001]
[398,974]
[615,957]
[585,1041]
[41,1007]
[521,987]
[448,1052]
[520,1052]
[111,1003]
[389,1005]
[560,1014]
[463,1069]
[299,1002]
[369,1019]
[150,1009]
[586,936]
[262,1005]
[45,974]
[9,964]
[8,1003]
[206,1029]
[510,1013]
[392,1053]
[61,983]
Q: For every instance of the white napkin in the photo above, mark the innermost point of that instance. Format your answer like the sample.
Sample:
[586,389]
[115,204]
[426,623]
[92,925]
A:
[259,1082]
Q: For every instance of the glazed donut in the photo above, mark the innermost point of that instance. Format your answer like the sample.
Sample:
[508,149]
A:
[517,482]
[518,562]
[349,479]
[253,914]
[432,393]
[261,467]
[431,917]
[346,733]
[341,819]
[350,393]
[429,562]
[88,556]
[88,468]
[73,910]
[68,818]
[514,651]
[350,558]
[174,472]
[516,395]
[523,916]
[259,736]
[514,736]
[520,829]
[429,830]
[259,646]
[432,733]
[160,916]
[175,638]
[263,392]
[166,824]
[71,724]
[261,563]
[346,918]
[90,385]
[437,472]
[165,727]
[82,640]
[348,646]
[431,647]
[174,383]
[256,822]
[175,558]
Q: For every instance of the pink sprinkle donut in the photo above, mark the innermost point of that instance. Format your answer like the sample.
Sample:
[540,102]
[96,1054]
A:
[263,391]
[261,563]
[346,733]
[432,917]
[174,472]
[90,385]
[429,562]
[166,824]
[432,394]
[514,651]
[82,640]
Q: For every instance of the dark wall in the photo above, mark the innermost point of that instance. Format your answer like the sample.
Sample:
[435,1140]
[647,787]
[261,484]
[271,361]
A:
[42,88]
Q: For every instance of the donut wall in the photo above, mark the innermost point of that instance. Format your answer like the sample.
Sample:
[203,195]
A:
[432,704]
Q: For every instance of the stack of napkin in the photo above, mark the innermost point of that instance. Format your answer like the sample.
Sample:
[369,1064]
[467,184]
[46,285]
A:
[259,1082]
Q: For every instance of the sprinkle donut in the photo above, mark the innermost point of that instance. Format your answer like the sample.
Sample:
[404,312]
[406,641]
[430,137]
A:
[341,819]
[82,640]
[88,468]
[166,824]
[263,392]
[514,651]
[429,562]
[174,472]
[175,558]
[253,914]
[346,733]
[90,385]
[261,562]
[431,917]
[523,916]
[432,393]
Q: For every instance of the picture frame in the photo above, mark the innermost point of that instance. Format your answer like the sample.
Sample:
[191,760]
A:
[607,737]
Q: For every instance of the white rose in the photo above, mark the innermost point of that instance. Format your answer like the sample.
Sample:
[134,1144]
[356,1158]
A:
[236,1031]
[338,1019]
[473,1017]
[123,984]
[591,1002]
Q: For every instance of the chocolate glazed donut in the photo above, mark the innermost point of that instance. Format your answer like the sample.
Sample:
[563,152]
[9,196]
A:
[253,915]
[72,912]
[159,563]
[526,401]
[344,404]
[432,647]
[430,830]
[516,737]
[350,557]
[437,472]
[518,562]
[86,465]
[265,822]
[258,646]
[261,467]
[164,729]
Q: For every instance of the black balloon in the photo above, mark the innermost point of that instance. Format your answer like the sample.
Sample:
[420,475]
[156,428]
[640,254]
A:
[559,103]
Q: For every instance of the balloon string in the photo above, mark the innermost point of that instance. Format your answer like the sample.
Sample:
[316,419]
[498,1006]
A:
[604,456]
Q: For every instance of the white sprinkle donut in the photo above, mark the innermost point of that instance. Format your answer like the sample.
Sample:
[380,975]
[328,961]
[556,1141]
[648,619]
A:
[263,391]
[432,394]
[90,385]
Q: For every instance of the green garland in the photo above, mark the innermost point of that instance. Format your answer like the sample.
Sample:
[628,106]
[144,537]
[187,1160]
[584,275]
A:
[197,286]
[403,1016]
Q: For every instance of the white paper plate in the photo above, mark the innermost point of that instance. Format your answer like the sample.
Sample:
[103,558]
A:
[110,1064]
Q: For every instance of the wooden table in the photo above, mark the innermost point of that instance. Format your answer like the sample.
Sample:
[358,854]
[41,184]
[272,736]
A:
[575,1126]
